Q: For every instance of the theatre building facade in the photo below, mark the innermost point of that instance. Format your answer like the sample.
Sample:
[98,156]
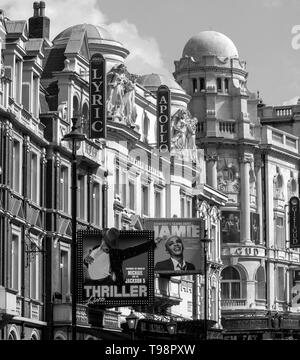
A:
[234,165]
[44,84]
[252,156]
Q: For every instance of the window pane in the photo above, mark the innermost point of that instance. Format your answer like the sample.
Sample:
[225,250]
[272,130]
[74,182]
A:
[157,204]
[34,177]
[15,262]
[225,290]
[96,204]
[235,290]
[64,272]
[230,273]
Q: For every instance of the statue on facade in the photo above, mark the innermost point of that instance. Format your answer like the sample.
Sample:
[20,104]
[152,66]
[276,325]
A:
[116,80]
[130,111]
[121,95]
[183,134]
[63,110]
[278,185]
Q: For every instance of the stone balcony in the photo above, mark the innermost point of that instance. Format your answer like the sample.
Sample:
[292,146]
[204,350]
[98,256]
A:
[280,139]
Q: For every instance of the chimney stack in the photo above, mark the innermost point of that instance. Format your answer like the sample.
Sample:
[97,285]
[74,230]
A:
[36,9]
[39,24]
[42,8]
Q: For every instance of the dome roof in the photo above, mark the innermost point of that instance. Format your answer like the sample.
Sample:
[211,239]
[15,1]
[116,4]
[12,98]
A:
[210,43]
[95,34]
[153,81]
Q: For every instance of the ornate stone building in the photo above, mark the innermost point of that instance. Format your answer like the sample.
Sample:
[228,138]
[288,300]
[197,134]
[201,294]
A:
[44,85]
[255,162]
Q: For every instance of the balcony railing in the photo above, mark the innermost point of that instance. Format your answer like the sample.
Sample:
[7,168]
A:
[233,303]
[280,139]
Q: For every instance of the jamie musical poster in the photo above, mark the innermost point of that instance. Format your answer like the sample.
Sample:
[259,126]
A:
[179,250]
[115,273]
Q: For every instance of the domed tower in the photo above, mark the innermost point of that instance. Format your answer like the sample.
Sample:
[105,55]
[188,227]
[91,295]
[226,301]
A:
[99,40]
[212,73]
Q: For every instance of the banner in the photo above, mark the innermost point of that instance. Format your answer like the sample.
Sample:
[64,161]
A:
[294,223]
[230,227]
[179,250]
[163,119]
[97,97]
[115,274]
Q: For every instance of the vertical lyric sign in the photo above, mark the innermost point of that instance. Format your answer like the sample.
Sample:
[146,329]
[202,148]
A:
[163,119]
[97,97]
[294,223]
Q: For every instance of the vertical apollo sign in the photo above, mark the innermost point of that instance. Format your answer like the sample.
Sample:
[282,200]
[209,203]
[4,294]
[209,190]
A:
[97,97]
[294,222]
[163,119]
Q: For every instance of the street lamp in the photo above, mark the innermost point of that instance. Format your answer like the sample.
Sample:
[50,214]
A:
[172,327]
[74,137]
[132,321]
[205,241]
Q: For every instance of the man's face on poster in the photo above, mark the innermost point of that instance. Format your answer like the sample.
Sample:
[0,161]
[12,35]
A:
[174,246]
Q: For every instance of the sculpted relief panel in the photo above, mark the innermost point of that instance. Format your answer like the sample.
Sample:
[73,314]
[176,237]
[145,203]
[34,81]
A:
[229,178]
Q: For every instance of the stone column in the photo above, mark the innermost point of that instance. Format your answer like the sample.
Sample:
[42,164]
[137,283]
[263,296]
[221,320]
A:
[258,175]
[245,161]
[211,159]
[250,292]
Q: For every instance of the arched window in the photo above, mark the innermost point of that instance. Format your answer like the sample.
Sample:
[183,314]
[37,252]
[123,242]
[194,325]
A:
[231,283]
[75,106]
[260,284]
[34,335]
[12,335]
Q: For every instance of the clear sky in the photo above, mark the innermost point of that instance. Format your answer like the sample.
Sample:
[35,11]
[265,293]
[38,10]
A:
[156,31]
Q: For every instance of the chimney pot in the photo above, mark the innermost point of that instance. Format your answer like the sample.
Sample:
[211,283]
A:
[36,7]
[42,8]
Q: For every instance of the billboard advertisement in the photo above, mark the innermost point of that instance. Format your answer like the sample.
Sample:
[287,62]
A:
[230,227]
[179,250]
[118,273]
[97,97]
[163,119]
[294,223]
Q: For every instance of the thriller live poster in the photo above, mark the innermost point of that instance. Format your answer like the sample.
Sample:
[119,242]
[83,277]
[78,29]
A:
[115,273]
